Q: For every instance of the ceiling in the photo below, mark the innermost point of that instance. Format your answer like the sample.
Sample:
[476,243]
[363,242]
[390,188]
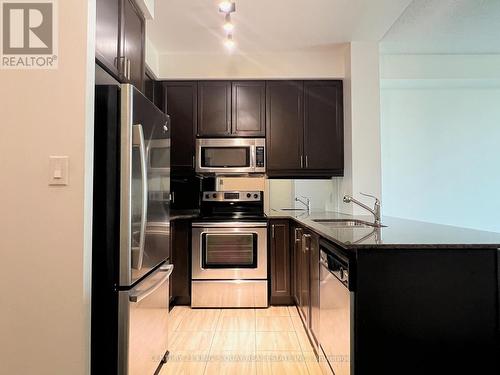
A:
[446,27]
[195,26]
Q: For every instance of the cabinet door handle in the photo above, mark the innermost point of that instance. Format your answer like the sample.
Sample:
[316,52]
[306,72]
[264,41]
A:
[121,65]
[128,69]
[307,161]
[194,166]
[301,161]
[272,231]
[307,240]
[297,234]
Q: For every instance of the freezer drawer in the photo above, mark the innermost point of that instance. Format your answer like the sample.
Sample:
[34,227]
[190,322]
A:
[143,324]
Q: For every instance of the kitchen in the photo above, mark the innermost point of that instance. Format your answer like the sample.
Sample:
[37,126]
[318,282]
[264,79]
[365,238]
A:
[259,187]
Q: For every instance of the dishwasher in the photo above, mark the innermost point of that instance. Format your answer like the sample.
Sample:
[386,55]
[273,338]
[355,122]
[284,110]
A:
[336,312]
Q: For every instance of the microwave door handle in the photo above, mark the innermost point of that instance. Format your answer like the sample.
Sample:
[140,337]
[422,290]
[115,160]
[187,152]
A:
[253,162]
[138,297]
[138,141]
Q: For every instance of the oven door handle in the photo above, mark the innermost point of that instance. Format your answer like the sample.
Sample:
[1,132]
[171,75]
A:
[234,224]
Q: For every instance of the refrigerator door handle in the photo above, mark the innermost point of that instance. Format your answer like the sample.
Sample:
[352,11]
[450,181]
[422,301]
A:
[138,141]
[138,297]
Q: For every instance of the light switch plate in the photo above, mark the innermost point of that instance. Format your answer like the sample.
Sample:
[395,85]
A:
[58,170]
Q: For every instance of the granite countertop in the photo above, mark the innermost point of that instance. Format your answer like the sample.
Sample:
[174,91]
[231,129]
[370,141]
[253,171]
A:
[397,233]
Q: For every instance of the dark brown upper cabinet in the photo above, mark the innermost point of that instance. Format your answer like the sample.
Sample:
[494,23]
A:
[120,40]
[305,129]
[214,109]
[248,109]
[133,44]
[181,105]
[231,109]
[284,127]
[153,90]
[324,127]
[107,40]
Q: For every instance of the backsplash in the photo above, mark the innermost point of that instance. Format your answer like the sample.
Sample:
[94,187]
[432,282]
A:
[324,194]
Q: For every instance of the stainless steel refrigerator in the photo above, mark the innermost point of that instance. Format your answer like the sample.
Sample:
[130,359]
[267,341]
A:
[131,233]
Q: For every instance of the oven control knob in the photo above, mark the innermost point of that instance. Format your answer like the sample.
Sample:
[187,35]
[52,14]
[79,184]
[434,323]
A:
[214,195]
[256,196]
[207,196]
[249,195]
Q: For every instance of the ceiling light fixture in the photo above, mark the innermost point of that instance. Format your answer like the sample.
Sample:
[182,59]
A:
[227,7]
[229,42]
[228,25]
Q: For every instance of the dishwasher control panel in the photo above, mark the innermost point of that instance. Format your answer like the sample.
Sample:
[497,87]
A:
[336,264]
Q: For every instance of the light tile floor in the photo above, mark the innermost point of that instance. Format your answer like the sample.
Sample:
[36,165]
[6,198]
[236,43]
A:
[239,341]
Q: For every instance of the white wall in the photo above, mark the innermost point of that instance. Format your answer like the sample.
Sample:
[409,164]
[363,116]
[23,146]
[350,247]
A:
[45,244]
[321,62]
[322,193]
[362,172]
[441,139]
[152,58]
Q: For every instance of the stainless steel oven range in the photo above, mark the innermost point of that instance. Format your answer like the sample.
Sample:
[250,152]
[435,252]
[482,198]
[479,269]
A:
[229,244]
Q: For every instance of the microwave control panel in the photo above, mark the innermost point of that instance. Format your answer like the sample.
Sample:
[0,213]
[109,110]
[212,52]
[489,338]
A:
[259,157]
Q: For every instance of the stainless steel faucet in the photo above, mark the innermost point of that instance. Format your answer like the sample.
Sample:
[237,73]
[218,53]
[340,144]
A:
[306,202]
[375,211]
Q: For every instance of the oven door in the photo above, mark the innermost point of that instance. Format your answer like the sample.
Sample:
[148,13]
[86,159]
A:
[225,156]
[233,251]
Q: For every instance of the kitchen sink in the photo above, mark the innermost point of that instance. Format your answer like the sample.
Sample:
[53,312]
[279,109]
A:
[345,223]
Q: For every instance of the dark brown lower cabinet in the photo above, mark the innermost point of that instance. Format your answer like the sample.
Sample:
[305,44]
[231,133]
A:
[296,235]
[181,250]
[305,254]
[281,291]
[305,290]
[314,286]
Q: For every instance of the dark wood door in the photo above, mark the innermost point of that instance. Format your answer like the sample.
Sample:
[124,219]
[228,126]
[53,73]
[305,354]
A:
[181,248]
[108,34]
[249,109]
[181,106]
[133,41]
[214,108]
[314,281]
[284,127]
[281,292]
[153,90]
[296,234]
[324,126]
[305,281]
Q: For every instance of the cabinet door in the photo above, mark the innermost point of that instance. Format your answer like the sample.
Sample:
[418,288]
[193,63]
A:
[181,106]
[284,127]
[181,276]
[305,298]
[107,34]
[280,262]
[314,286]
[133,43]
[248,109]
[214,109]
[153,90]
[296,255]
[324,126]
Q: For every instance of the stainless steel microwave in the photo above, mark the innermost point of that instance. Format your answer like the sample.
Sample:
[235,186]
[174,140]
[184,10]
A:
[231,156]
